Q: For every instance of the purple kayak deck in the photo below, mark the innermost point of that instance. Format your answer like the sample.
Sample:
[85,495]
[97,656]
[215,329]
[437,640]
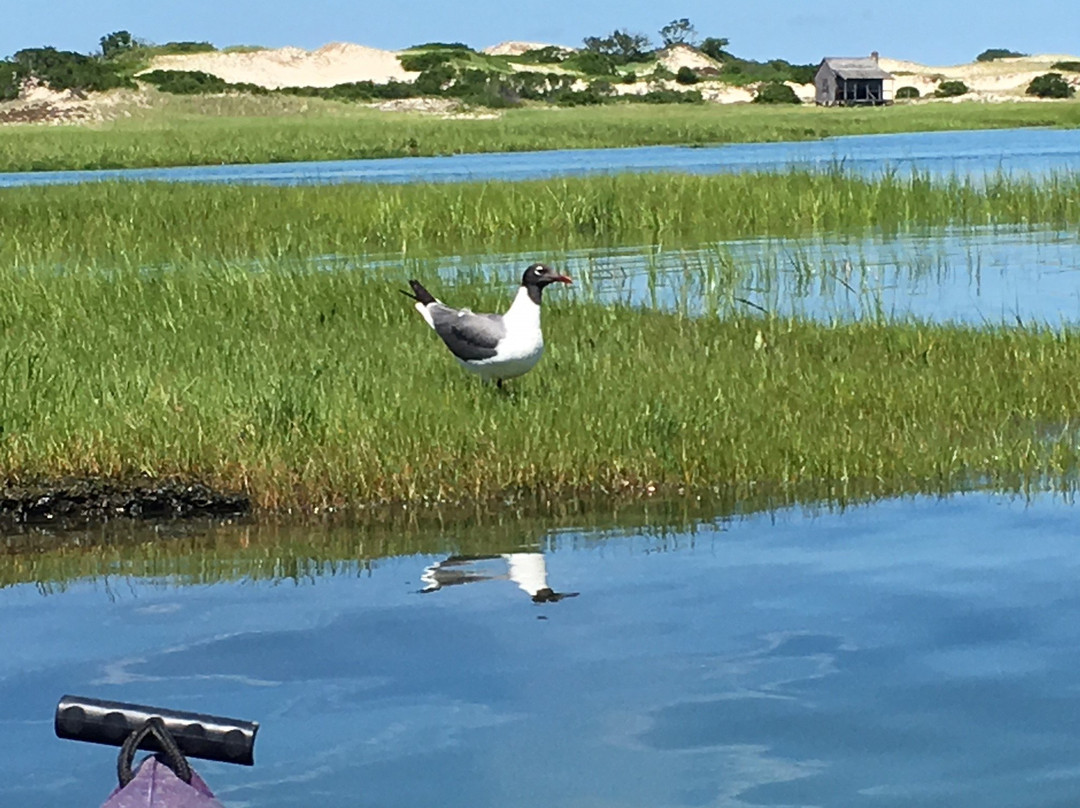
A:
[156,786]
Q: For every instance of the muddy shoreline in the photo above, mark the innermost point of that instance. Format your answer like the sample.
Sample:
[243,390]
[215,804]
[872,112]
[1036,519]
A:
[85,501]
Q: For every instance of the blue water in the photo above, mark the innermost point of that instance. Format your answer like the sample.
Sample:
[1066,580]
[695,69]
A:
[976,276]
[963,153]
[912,652]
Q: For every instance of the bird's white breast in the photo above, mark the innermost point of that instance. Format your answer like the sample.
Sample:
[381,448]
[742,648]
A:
[522,346]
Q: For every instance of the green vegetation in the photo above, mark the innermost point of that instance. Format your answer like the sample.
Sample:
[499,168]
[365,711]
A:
[990,54]
[150,224]
[67,70]
[242,129]
[951,89]
[314,389]
[905,93]
[686,76]
[775,93]
[620,46]
[1071,67]
[1051,85]
[195,332]
[678,32]
[714,47]
[747,71]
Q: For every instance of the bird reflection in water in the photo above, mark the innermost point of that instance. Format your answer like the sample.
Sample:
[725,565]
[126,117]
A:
[527,570]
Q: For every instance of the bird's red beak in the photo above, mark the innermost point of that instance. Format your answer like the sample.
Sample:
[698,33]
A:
[563,279]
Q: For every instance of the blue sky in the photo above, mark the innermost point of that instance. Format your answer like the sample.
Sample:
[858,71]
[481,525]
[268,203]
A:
[927,31]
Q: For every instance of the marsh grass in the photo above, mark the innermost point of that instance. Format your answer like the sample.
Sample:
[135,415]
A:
[138,224]
[312,389]
[247,129]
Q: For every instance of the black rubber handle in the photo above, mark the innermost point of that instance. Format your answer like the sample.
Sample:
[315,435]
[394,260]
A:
[208,737]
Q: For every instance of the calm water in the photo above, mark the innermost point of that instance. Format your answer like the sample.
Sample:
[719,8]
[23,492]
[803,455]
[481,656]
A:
[964,153]
[975,276]
[918,651]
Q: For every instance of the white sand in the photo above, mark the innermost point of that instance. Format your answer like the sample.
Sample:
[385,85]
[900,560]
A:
[999,80]
[336,63]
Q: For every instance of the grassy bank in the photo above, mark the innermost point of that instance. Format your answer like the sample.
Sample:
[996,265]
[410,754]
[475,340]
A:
[135,224]
[313,389]
[211,131]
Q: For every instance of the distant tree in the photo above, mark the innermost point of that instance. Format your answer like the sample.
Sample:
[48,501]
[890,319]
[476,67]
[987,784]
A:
[1072,67]
[714,47]
[10,81]
[776,92]
[678,32]
[1050,85]
[951,89]
[620,45]
[112,45]
[990,54]
[686,76]
[907,92]
[442,46]
[68,70]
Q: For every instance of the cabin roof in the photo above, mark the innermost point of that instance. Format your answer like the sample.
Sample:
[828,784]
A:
[855,67]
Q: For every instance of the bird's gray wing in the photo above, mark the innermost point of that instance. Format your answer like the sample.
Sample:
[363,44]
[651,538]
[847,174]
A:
[468,336]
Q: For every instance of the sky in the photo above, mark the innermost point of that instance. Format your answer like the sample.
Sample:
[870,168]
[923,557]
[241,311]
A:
[927,31]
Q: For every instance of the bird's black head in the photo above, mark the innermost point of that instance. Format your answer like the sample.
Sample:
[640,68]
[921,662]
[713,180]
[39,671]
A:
[538,276]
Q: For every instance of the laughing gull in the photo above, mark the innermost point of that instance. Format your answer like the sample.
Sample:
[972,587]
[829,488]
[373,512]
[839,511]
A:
[495,346]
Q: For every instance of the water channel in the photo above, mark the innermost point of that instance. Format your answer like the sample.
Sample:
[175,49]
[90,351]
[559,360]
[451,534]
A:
[973,153]
[915,651]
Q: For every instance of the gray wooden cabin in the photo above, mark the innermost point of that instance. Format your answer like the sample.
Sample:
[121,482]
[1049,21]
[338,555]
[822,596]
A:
[842,81]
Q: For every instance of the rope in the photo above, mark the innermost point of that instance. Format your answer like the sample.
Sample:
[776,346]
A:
[173,757]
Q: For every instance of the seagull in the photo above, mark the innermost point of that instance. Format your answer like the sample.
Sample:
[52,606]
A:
[495,346]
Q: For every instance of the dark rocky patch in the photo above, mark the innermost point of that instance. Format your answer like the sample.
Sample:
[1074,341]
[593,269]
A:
[99,501]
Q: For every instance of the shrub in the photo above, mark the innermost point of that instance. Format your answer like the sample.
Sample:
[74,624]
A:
[776,92]
[714,47]
[185,82]
[745,71]
[427,59]
[667,97]
[686,76]
[186,46]
[990,54]
[591,63]
[1072,67]
[67,70]
[576,98]
[629,77]
[434,79]
[550,55]
[907,92]
[458,46]
[10,82]
[1050,85]
[951,89]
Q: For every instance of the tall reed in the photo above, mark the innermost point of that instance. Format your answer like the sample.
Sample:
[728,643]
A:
[134,224]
